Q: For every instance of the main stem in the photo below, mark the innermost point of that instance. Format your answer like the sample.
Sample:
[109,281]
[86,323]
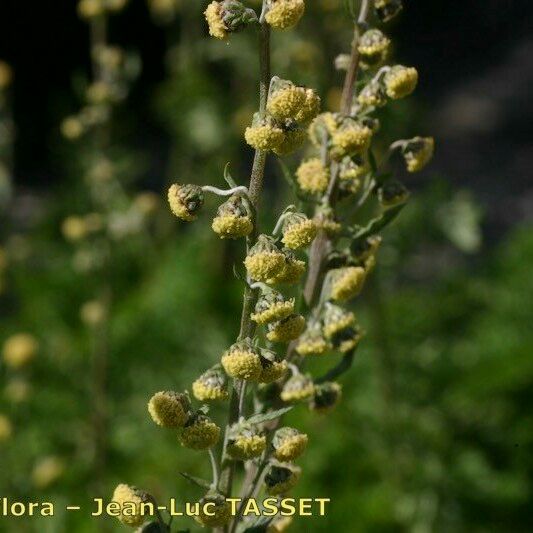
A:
[250,295]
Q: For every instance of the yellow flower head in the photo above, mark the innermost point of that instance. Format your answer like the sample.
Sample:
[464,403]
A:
[273,369]
[200,433]
[298,388]
[211,385]
[392,193]
[312,342]
[283,14]
[349,139]
[336,319]
[323,126]
[387,9]
[185,201]
[346,283]
[288,444]
[271,307]
[353,168]
[281,478]
[6,428]
[326,397]
[312,176]
[373,47]
[228,16]
[130,500]
[264,134]
[285,100]
[215,511]
[213,16]
[264,260]
[400,81]
[298,231]
[310,108]
[292,269]
[286,330]
[19,350]
[293,139]
[169,409]
[245,441]
[365,248]
[233,220]
[347,339]
[325,221]
[242,361]
[418,152]
[372,95]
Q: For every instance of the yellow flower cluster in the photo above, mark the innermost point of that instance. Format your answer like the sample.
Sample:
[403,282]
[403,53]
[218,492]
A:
[272,307]
[19,350]
[219,512]
[291,271]
[400,81]
[351,138]
[298,231]
[312,342]
[266,135]
[297,388]
[284,14]
[200,433]
[373,47]
[272,368]
[336,319]
[233,220]
[127,497]
[326,397]
[286,330]
[242,361]
[245,441]
[211,386]
[185,201]
[169,409]
[372,95]
[290,102]
[293,138]
[325,221]
[312,176]
[289,444]
[418,153]
[213,16]
[346,283]
[282,478]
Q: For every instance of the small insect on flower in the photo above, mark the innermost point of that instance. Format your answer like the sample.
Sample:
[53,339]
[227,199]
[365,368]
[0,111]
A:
[312,341]
[392,193]
[346,283]
[233,220]
[130,500]
[289,444]
[312,176]
[373,47]
[284,14]
[286,330]
[199,433]
[285,99]
[298,231]
[272,306]
[264,260]
[372,95]
[418,152]
[291,271]
[242,361]
[215,511]
[211,385]
[298,388]
[336,319]
[169,409]
[273,368]
[281,478]
[326,397]
[387,9]
[400,81]
[185,201]
[264,134]
[245,441]
[19,350]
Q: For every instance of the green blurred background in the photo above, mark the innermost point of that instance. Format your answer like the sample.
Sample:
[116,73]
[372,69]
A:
[435,432]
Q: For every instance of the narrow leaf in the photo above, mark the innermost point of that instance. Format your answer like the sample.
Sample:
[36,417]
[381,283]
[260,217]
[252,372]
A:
[266,417]
[196,480]
[227,176]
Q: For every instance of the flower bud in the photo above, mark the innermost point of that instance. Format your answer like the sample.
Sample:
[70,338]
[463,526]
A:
[169,409]
[418,152]
[233,220]
[264,260]
[185,201]
[211,385]
[312,341]
[392,193]
[347,339]
[227,17]
[349,139]
[372,95]
[242,361]
[286,330]
[387,9]
[245,441]
[285,99]
[272,306]
[400,81]
[298,388]
[218,510]
[273,368]
[264,134]
[326,397]
[130,500]
[19,350]
[346,283]
[281,478]
[373,47]
[199,433]
[363,249]
[283,14]
[298,231]
[291,271]
[336,319]
[312,176]
[288,444]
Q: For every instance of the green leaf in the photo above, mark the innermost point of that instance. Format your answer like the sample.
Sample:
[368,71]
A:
[380,222]
[227,176]
[266,417]
[196,480]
